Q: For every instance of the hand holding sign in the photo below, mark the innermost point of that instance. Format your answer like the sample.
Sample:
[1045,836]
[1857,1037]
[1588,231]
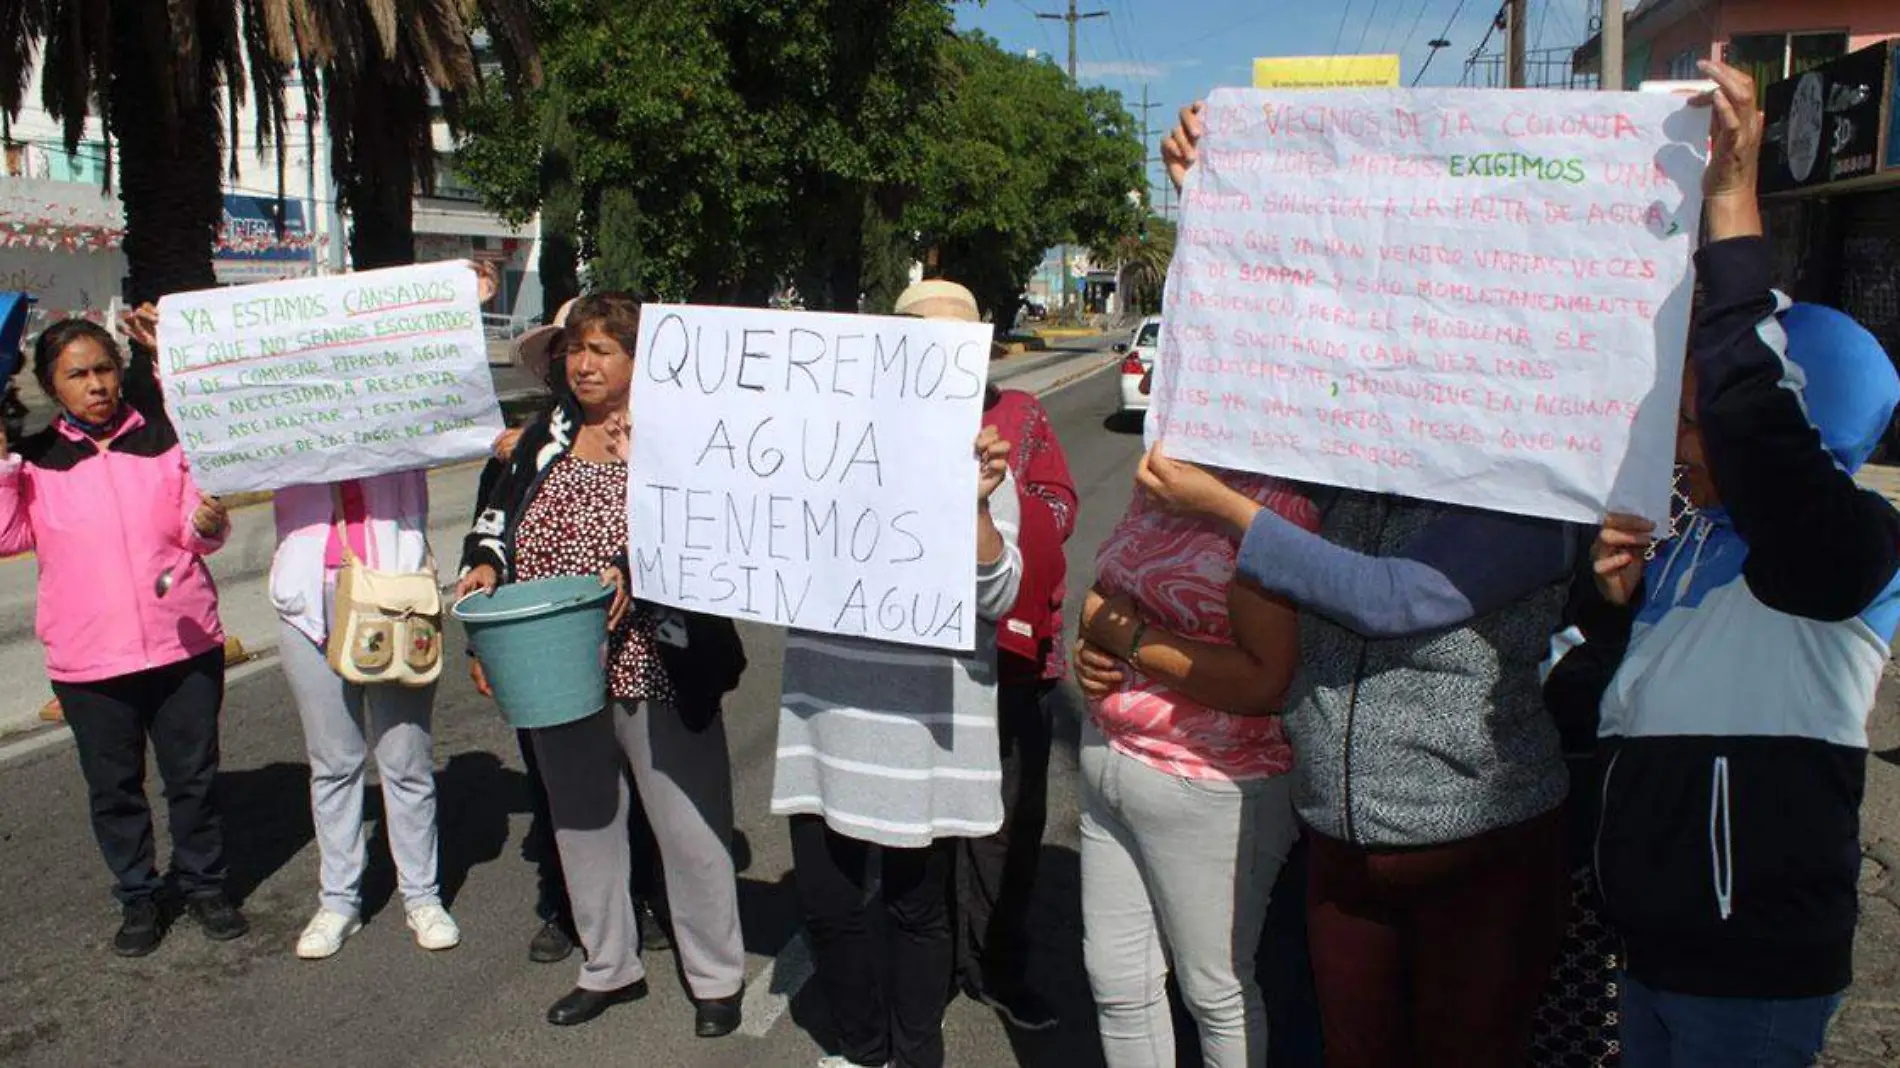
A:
[1187,489]
[1734,159]
[140,325]
[210,516]
[1181,146]
[1617,558]
[992,459]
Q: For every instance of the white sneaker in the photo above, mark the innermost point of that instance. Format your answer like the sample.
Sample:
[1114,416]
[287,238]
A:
[435,929]
[837,1061]
[324,934]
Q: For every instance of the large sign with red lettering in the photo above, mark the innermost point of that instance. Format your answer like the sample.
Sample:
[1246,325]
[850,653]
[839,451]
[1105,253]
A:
[1467,296]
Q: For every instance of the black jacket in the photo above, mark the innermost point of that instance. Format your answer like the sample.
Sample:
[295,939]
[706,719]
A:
[1734,733]
[703,654]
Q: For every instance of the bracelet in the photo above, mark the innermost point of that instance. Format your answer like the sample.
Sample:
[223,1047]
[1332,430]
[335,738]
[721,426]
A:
[1134,643]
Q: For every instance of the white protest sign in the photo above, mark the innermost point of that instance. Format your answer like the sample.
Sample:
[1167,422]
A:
[809,470]
[1467,296]
[322,379]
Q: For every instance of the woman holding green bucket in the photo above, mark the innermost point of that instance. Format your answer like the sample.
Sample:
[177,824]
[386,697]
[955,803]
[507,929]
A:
[561,510]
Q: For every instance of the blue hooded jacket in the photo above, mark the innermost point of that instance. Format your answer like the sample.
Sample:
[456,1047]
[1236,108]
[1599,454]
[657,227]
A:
[1735,731]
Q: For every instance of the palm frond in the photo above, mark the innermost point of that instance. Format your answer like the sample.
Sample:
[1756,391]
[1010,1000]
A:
[22,26]
[384,16]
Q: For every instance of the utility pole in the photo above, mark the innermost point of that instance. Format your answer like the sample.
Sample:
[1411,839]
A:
[1515,23]
[1072,16]
[1147,158]
[1610,42]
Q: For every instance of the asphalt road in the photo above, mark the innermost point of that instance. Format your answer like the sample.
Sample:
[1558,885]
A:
[66,1000]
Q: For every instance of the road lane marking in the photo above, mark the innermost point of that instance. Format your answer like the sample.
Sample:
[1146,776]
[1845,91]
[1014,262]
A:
[770,993]
[48,737]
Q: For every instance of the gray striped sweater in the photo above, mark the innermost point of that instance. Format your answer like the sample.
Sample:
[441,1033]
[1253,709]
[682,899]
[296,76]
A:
[893,744]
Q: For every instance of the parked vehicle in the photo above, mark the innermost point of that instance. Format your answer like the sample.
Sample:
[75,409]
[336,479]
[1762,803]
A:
[1138,361]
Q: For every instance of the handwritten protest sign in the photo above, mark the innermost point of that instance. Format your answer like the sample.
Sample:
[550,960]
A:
[1474,297]
[809,470]
[321,379]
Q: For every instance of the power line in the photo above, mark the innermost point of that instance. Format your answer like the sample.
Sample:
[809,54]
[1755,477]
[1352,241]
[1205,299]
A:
[1366,28]
[1385,43]
[1442,41]
[1344,17]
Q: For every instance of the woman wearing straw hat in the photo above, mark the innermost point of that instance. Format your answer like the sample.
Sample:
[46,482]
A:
[879,800]
[561,509]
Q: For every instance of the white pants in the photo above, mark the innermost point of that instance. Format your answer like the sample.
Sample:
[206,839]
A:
[342,724]
[1179,871]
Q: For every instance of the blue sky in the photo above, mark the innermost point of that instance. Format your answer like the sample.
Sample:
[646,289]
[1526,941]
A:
[1182,48]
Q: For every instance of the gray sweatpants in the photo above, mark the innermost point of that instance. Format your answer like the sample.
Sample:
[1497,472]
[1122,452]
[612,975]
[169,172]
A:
[1177,871]
[342,724]
[685,783]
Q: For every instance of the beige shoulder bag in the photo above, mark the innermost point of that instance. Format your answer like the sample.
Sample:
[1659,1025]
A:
[386,627]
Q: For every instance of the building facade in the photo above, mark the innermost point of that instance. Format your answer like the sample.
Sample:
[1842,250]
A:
[1831,154]
[60,224]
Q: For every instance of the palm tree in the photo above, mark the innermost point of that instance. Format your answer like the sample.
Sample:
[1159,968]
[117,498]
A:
[164,76]
[382,66]
[1141,262]
[158,73]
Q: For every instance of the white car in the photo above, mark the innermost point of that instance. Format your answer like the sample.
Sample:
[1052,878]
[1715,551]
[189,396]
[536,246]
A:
[1138,362]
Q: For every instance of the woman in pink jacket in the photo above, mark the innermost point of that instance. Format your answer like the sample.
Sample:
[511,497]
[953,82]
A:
[129,617]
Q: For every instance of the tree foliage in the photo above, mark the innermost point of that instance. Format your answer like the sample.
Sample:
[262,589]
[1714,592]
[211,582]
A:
[1022,160]
[718,149]
[734,143]
[1141,263]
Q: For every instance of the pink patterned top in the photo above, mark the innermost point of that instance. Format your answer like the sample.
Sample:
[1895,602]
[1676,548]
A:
[1178,569]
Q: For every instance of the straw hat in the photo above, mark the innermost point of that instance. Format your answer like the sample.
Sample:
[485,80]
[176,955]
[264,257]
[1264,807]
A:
[938,299]
[531,348]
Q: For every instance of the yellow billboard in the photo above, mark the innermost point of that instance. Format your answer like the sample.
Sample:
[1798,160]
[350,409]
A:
[1325,72]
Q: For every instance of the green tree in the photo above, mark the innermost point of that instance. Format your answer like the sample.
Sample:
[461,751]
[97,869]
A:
[1021,160]
[746,143]
[1141,263]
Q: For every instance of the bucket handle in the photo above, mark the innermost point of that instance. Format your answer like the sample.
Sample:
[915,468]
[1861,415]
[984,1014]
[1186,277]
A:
[518,613]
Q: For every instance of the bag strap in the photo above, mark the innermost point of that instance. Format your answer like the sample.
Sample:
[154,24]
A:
[340,527]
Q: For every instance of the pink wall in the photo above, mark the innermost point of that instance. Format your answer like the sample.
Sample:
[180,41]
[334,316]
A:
[1704,30]
[1866,21]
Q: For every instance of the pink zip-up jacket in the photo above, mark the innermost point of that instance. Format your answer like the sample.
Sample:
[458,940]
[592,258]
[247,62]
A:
[106,519]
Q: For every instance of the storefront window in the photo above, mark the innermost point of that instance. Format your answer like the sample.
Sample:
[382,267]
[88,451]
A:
[1807,51]
[1770,57]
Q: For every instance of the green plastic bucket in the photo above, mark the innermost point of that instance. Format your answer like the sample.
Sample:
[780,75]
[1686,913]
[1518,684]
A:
[543,646]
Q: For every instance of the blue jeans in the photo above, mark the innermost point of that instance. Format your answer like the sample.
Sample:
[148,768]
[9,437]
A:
[1664,1030]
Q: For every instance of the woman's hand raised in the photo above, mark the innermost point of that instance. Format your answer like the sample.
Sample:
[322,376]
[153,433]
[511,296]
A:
[1185,489]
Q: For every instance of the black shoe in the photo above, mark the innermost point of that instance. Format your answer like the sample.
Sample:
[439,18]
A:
[719,1017]
[551,944]
[220,920]
[656,936]
[1021,1007]
[142,930]
[580,1006]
